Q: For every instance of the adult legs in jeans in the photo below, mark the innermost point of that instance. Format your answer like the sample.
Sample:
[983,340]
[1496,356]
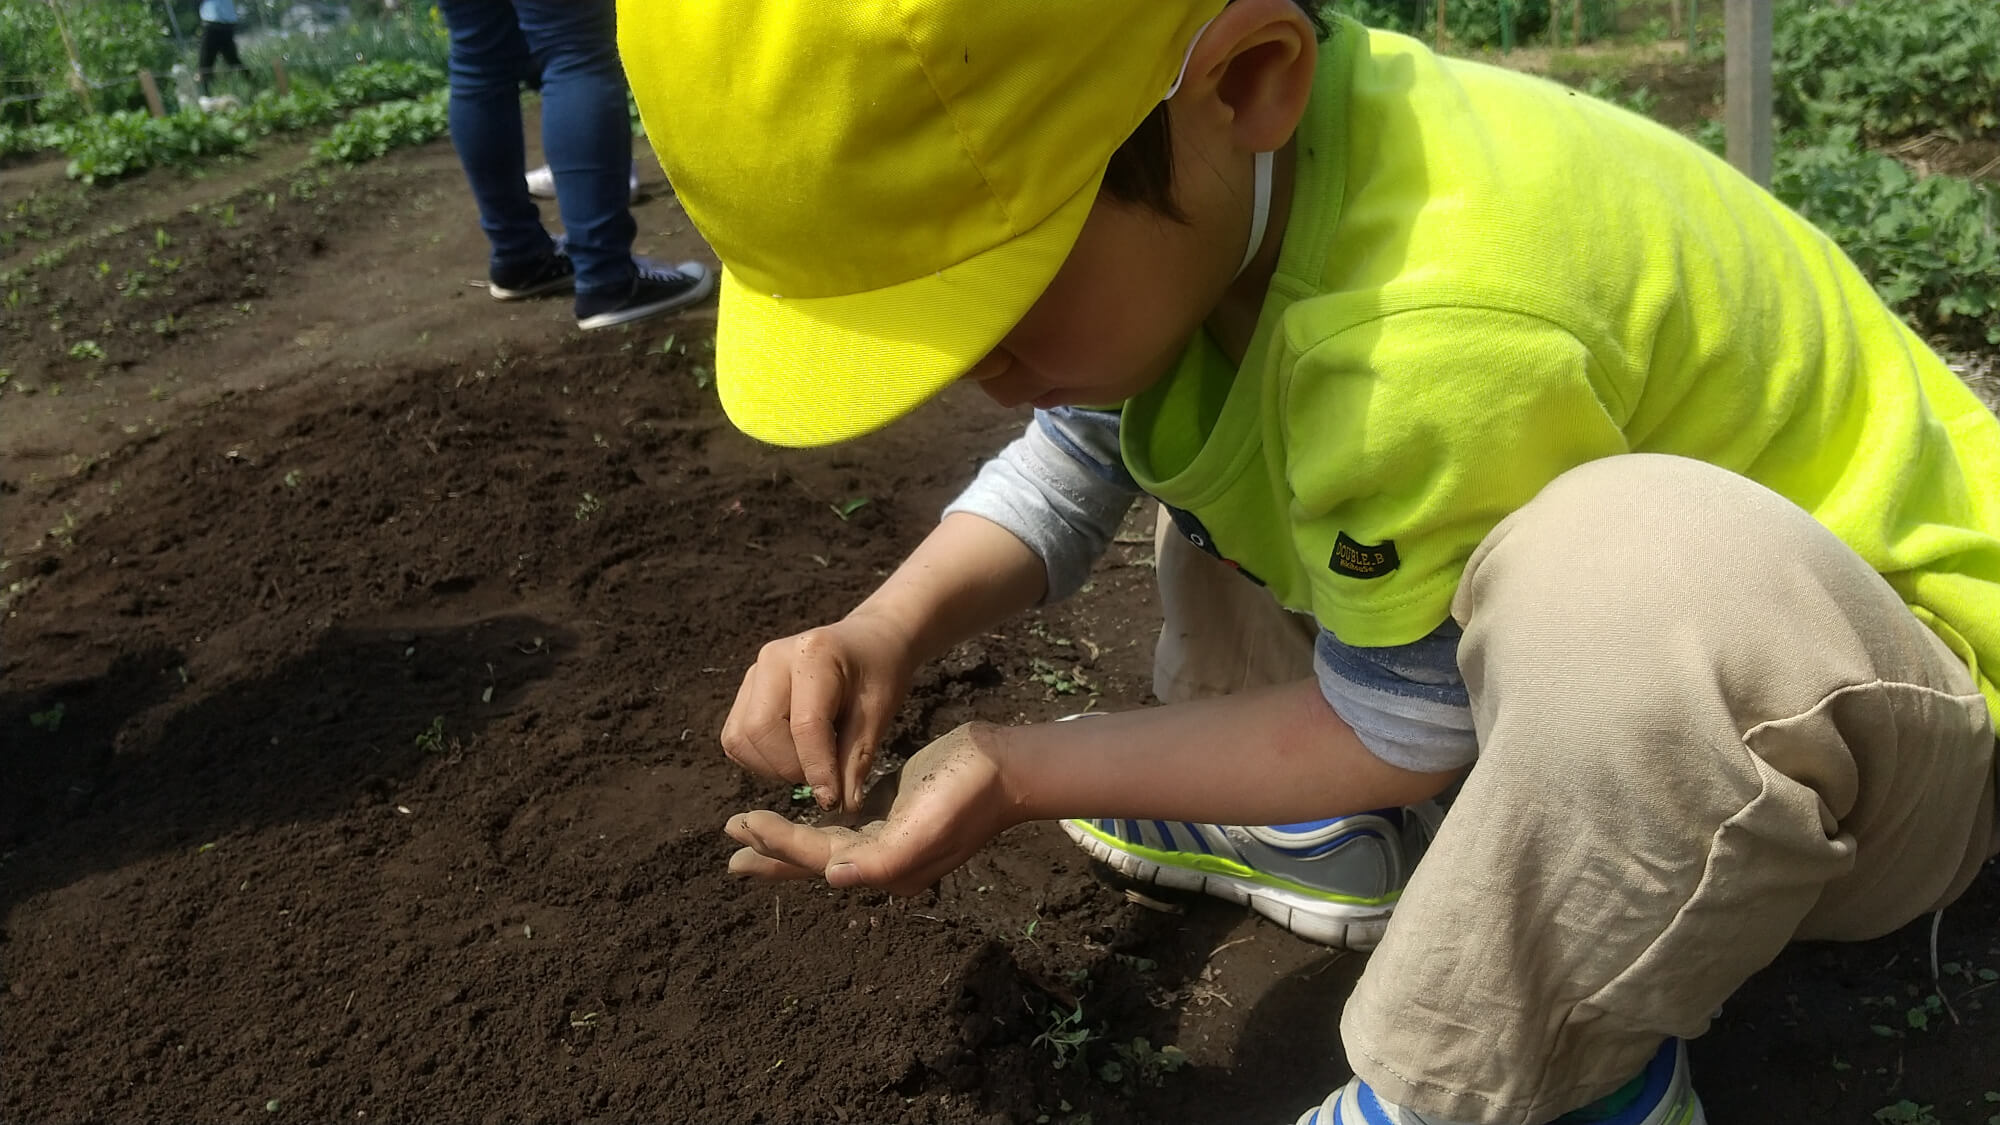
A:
[495,44]
[1706,728]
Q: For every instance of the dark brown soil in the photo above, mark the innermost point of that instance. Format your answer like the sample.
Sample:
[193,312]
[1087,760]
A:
[364,647]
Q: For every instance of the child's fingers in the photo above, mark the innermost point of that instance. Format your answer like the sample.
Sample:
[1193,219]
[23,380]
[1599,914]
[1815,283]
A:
[757,735]
[817,695]
[745,862]
[786,842]
[861,738]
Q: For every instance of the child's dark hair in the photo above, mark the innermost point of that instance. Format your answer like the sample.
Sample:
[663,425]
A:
[1142,170]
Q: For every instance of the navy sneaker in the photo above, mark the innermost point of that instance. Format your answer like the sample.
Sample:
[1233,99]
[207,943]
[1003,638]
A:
[1665,1097]
[552,274]
[655,288]
[1332,881]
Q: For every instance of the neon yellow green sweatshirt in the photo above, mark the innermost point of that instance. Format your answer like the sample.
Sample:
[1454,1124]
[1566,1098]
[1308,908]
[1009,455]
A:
[1476,294]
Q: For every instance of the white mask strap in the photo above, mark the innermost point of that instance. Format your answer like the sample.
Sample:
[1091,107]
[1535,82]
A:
[1186,57]
[1260,211]
[1260,207]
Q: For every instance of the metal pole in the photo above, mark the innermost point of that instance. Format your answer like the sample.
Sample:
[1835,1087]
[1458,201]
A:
[1746,75]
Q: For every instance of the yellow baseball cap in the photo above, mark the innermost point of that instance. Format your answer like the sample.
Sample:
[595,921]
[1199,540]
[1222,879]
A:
[890,184]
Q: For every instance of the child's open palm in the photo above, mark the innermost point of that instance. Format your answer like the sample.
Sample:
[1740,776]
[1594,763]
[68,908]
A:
[952,800]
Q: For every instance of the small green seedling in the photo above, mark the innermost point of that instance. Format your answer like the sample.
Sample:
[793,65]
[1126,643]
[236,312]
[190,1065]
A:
[588,507]
[848,507]
[431,739]
[802,793]
[1138,1060]
[49,721]
[1066,1036]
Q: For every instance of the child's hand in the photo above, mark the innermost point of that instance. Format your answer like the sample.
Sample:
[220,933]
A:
[815,705]
[953,799]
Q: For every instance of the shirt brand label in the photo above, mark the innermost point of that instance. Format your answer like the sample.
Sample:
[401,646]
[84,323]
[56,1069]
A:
[1361,560]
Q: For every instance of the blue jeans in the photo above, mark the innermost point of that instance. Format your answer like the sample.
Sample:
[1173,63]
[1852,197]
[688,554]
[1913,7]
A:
[570,47]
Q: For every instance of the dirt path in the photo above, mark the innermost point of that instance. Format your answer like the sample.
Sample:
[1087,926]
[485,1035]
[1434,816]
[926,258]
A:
[364,645]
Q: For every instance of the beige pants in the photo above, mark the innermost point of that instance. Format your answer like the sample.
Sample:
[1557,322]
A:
[1706,729]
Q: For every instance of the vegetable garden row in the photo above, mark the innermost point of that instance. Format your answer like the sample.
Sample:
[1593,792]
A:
[1851,81]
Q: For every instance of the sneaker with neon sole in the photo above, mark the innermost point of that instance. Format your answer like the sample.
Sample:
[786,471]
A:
[1333,881]
[1665,1096]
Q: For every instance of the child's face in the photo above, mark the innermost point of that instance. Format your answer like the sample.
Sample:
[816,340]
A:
[1137,284]
[1121,309]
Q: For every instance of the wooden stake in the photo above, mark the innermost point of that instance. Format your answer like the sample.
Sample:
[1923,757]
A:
[1440,30]
[284,81]
[152,91]
[1746,74]
[1576,22]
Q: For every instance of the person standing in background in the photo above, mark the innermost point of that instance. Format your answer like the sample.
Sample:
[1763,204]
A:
[570,48]
[218,38]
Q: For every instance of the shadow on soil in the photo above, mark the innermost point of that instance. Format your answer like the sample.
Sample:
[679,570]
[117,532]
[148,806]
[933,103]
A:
[99,772]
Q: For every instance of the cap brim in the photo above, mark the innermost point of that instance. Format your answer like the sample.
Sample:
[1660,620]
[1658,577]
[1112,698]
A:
[814,371]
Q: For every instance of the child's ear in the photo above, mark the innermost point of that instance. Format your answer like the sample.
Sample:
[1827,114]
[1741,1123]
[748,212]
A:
[1253,68]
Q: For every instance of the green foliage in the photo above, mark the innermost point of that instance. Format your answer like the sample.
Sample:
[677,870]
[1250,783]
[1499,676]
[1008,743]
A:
[115,39]
[369,83]
[1928,243]
[21,140]
[377,129]
[305,107]
[1066,1036]
[1638,99]
[414,35]
[49,721]
[1140,1064]
[1469,23]
[1889,68]
[120,144]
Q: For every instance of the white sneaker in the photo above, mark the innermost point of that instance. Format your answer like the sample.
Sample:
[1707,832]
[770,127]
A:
[542,182]
[1332,881]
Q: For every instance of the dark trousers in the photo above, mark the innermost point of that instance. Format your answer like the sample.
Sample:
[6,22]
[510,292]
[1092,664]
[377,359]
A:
[217,39]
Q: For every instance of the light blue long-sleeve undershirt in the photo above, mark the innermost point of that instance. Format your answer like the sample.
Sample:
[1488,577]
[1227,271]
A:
[1062,489]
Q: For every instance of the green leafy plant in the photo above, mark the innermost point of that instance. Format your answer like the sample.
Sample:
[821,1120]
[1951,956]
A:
[1470,23]
[431,740]
[49,721]
[369,83]
[120,144]
[413,35]
[1889,68]
[306,107]
[114,40]
[1137,1061]
[1928,243]
[370,132]
[846,508]
[1066,1036]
